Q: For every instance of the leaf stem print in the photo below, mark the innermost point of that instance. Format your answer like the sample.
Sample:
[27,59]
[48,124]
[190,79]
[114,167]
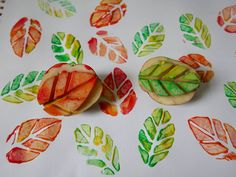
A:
[67,48]
[98,147]
[148,40]
[216,138]
[108,12]
[195,31]
[31,138]
[25,35]
[22,88]
[230,92]
[57,8]
[156,137]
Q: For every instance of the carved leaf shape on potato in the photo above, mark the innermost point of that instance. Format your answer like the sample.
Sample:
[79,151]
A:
[68,89]
[156,137]
[216,138]
[165,77]
[31,138]
[24,87]
[227,19]
[109,46]
[67,48]
[108,12]
[195,31]
[25,35]
[57,8]
[148,39]
[202,66]
[230,92]
[117,89]
[99,148]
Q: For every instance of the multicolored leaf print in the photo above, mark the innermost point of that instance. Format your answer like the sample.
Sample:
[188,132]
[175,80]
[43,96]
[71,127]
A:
[216,138]
[67,48]
[57,8]
[117,88]
[24,87]
[99,148]
[108,12]
[148,40]
[196,61]
[227,19]
[156,137]
[109,46]
[195,31]
[31,138]
[25,35]
[230,92]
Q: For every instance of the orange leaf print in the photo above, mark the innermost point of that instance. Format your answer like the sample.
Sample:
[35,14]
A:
[32,137]
[117,89]
[216,138]
[25,35]
[109,46]
[108,12]
[200,64]
[227,19]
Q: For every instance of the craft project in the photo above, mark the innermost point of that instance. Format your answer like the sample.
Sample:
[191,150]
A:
[68,89]
[67,48]
[230,92]
[22,88]
[168,81]
[57,8]
[25,35]
[195,31]
[156,138]
[202,66]
[108,12]
[227,19]
[117,88]
[99,148]
[31,138]
[216,138]
[109,46]
[148,39]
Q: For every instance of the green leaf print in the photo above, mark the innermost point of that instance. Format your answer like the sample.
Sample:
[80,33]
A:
[230,92]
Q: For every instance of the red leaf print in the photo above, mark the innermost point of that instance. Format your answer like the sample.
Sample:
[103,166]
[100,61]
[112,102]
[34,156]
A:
[25,35]
[109,46]
[108,12]
[200,64]
[213,137]
[32,137]
[227,19]
[117,89]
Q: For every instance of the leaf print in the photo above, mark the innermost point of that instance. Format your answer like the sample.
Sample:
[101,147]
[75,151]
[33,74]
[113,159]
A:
[31,138]
[148,40]
[156,137]
[216,138]
[195,31]
[196,61]
[230,92]
[109,46]
[57,8]
[67,48]
[117,90]
[168,81]
[108,12]
[98,147]
[69,89]
[227,19]
[25,35]
[24,87]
